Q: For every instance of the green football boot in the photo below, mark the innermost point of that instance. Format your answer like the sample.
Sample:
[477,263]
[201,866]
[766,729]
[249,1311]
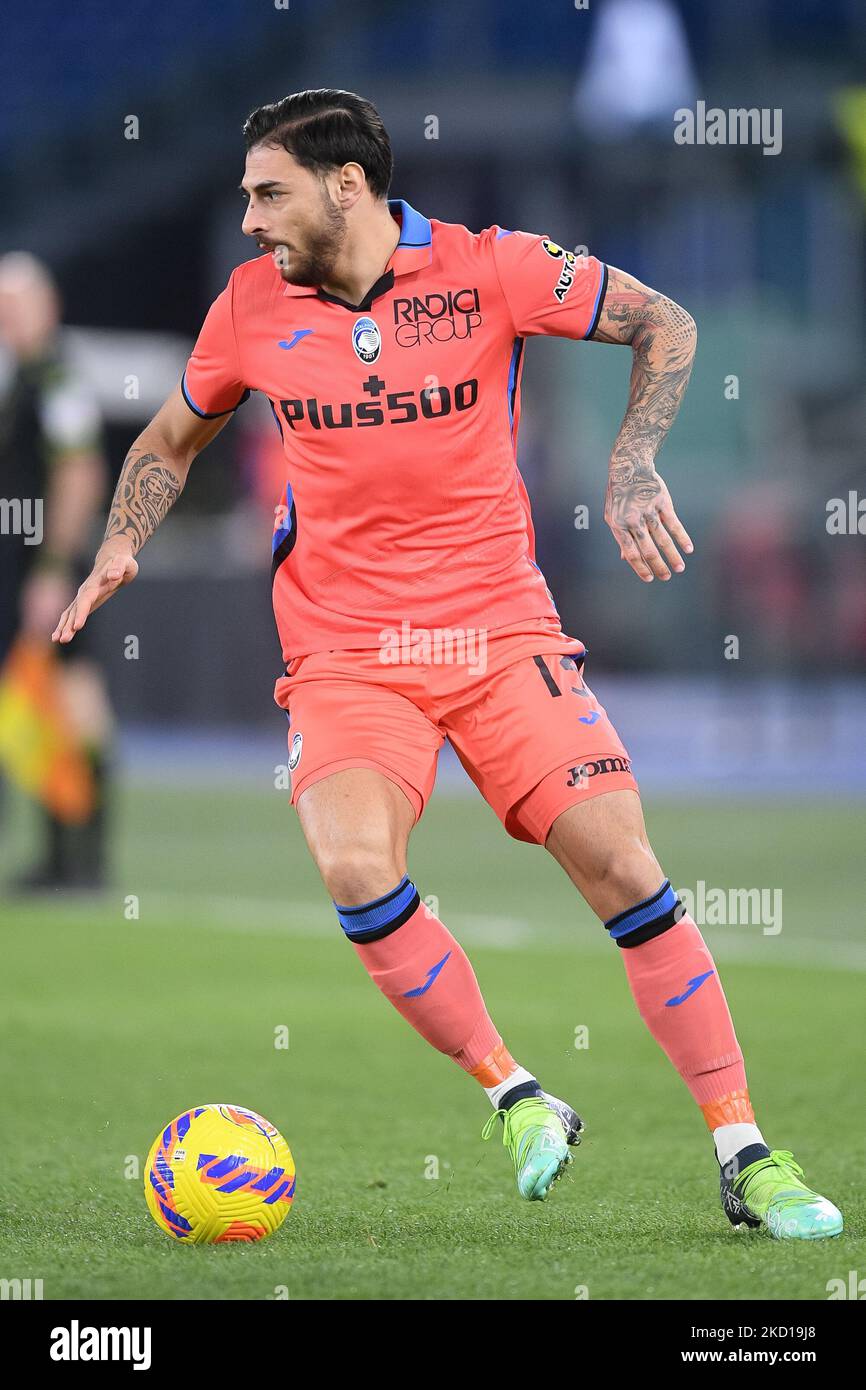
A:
[537,1132]
[769,1191]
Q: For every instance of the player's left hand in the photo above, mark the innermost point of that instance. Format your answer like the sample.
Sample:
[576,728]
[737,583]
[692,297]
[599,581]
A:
[639,511]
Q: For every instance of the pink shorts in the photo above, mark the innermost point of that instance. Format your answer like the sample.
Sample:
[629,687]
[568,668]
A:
[513,703]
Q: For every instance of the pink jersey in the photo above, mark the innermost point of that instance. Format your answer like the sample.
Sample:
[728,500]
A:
[399,419]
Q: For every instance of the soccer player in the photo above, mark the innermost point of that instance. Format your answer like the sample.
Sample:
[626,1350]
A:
[390,346]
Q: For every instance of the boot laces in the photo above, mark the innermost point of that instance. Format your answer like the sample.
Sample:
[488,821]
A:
[781,1160]
[515,1123]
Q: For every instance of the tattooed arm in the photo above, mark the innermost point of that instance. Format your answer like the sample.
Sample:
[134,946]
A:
[638,507]
[150,482]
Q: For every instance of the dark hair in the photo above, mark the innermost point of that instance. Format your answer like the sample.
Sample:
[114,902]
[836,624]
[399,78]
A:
[325,128]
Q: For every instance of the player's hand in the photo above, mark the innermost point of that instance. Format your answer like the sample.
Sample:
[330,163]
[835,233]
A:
[114,566]
[639,511]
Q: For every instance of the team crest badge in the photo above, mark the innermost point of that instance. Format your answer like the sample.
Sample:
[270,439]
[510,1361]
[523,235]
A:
[366,339]
[295,751]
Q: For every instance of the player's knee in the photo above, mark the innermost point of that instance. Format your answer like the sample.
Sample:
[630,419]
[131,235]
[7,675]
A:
[624,872]
[358,874]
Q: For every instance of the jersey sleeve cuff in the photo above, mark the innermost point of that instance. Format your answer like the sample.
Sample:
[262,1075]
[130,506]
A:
[209,414]
[599,303]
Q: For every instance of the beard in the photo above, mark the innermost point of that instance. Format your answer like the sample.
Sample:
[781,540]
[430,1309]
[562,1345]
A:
[313,265]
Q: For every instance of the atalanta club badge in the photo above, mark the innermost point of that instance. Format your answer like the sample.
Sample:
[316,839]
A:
[366,339]
[295,751]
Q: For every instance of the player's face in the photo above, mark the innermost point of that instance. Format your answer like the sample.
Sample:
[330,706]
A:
[291,214]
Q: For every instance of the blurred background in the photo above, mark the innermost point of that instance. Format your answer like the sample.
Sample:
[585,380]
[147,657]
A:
[121,151]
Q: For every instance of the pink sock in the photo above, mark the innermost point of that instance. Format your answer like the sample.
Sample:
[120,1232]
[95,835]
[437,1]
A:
[680,998]
[428,978]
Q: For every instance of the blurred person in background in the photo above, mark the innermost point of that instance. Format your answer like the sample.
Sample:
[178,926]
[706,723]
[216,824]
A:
[638,71]
[765,574]
[51,450]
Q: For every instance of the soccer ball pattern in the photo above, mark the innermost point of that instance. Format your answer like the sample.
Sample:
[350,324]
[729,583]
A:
[219,1173]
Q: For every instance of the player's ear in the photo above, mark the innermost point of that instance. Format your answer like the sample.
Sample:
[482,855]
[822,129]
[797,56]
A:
[349,185]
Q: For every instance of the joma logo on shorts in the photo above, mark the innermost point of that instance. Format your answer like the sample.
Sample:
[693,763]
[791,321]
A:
[578,775]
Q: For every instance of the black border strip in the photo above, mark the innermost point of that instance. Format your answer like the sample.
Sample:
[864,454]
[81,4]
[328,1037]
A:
[209,415]
[599,306]
[516,359]
[548,678]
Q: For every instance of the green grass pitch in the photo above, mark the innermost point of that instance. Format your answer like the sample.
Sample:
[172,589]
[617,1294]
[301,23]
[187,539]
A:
[112,1026]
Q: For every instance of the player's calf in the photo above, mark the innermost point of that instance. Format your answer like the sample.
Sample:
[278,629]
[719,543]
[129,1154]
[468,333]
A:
[426,975]
[357,825]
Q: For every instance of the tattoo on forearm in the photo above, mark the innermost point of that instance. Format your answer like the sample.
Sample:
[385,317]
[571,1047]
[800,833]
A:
[663,350]
[145,493]
[662,336]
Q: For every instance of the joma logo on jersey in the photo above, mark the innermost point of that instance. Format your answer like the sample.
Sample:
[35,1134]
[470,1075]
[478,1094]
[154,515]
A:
[394,408]
[436,318]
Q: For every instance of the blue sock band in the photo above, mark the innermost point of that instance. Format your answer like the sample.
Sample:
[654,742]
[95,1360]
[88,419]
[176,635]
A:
[371,921]
[646,919]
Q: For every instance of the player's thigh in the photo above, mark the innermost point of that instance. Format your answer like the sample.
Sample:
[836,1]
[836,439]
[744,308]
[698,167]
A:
[602,845]
[535,739]
[357,824]
[362,757]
